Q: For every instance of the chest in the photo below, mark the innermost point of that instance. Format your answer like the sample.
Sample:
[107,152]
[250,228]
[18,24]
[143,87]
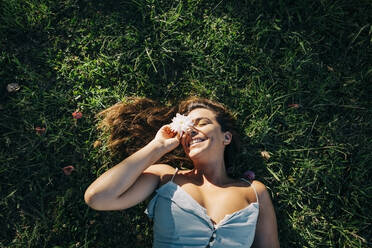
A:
[218,201]
[181,221]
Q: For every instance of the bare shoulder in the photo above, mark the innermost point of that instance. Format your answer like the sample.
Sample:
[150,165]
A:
[259,186]
[260,189]
[163,171]
[263,194]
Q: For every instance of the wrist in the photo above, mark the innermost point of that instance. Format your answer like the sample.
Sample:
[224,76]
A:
[158,146]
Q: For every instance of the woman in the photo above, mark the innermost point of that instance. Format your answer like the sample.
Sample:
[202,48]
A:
[199,207]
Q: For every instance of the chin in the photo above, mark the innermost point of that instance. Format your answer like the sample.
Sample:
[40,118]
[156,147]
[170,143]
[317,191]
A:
[201,151]
[193,155]
[197,153]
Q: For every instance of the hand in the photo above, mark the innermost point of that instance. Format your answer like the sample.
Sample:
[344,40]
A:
[167,138]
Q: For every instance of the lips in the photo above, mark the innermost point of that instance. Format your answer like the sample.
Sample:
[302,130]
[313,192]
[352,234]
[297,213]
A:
[195,141]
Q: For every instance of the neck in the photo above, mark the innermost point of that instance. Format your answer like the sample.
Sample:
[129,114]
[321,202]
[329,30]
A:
[212,172]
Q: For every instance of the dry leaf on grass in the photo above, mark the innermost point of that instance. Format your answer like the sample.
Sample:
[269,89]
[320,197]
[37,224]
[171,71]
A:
[13,87]
[265,155]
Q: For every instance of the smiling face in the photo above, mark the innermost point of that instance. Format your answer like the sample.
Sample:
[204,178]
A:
[206,139]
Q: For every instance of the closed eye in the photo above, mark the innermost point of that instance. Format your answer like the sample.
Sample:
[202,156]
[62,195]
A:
[201,122]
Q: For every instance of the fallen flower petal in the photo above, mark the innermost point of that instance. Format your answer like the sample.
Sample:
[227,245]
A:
[68,169]
[294,105]
[40,130]
[77,115]
[13,87]
[249,175]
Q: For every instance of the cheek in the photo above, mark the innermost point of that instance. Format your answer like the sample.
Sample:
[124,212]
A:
[216,134]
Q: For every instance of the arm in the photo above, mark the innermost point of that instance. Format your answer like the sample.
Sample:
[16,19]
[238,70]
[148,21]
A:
[266,230]
[134,179]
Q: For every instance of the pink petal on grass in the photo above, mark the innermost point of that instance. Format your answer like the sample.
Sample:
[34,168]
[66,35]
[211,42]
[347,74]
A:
[40,130]
[249,175]
[77,115]
[68,170]
[294,105]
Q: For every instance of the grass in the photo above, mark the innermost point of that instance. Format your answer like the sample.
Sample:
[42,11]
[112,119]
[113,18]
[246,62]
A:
[297,74]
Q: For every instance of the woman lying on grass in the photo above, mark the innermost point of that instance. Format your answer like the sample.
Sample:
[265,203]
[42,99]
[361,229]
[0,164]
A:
[198,207]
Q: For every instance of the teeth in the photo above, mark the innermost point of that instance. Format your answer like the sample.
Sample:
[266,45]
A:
[196,141]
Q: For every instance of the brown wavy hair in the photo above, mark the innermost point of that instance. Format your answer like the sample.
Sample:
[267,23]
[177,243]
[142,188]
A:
[134,123]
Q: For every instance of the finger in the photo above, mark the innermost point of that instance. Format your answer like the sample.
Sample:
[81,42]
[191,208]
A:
[182,138]
[166,128]
[169,131]
[179,135]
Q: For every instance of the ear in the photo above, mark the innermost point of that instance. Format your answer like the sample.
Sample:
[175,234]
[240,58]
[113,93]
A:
[227,138]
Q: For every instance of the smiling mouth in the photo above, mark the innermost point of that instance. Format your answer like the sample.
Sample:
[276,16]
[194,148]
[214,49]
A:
[196,141]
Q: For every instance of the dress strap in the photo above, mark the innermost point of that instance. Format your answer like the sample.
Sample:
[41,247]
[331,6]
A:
[174,174]
[254,188]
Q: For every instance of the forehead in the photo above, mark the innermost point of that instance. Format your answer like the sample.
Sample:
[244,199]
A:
[202,113]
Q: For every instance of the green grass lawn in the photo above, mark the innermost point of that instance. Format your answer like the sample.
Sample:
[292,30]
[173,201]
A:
[297,74]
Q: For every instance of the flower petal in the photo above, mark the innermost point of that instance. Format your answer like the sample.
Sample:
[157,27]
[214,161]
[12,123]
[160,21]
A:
[249,175]
[40,130]
[68,170]
[77,115]
[294,105]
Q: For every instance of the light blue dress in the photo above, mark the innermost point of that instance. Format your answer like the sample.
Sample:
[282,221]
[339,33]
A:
[180,221]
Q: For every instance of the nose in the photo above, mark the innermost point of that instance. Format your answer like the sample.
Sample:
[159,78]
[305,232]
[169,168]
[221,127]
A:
[191,131]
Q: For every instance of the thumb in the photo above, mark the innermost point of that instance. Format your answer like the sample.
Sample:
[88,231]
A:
[173,142]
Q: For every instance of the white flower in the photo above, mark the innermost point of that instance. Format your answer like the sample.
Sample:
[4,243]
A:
[180,123]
